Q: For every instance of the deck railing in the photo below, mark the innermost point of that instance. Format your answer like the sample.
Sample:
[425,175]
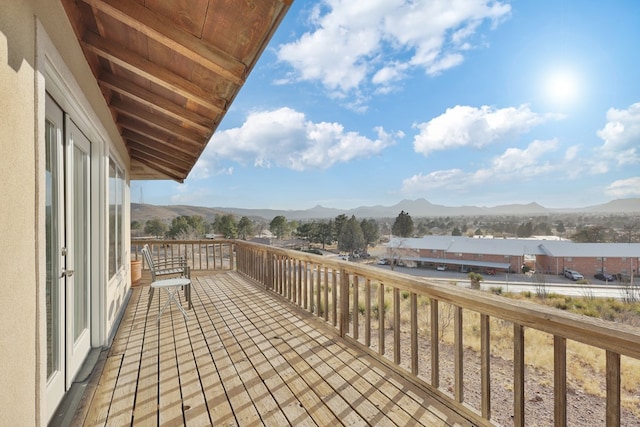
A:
[201,255]
[402,319]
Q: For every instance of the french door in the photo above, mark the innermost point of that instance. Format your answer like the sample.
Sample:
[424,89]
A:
[68,226]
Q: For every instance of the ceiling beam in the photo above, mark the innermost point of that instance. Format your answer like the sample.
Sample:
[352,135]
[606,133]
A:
[155,102]
[165,32]
[169,172]
[161,156]
[164,130]
[171,149]
[141,66]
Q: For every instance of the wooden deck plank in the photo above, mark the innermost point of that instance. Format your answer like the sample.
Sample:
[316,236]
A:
[99,409]
[194,405]
[220,410]
[122,405]
[246,361]
[242,406]
[267,350]
[145,411]
[170,398]
[302,389]
[247,357]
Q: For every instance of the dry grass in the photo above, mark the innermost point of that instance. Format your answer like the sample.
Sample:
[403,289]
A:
[585,364]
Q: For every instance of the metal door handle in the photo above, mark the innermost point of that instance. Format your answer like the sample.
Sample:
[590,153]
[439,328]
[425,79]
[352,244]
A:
[67,273]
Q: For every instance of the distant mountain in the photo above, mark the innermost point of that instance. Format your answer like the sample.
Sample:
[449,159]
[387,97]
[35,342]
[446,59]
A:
[416,208]
[617,206]
[143,212]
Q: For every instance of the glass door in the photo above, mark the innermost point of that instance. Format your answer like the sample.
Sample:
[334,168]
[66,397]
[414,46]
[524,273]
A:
[55,241]
[68,270]
[78,228]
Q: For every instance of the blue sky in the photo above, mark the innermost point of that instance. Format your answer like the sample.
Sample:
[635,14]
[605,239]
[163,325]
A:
[465,102]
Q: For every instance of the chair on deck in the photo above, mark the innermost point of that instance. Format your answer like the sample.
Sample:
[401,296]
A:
[180,273]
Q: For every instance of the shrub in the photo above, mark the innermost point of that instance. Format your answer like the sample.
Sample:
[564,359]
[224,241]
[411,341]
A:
[475,279]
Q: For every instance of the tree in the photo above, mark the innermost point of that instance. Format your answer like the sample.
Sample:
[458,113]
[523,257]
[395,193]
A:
[306,231]
[226,225]
[370,231]
[180,228]
[338,222]
[245,228]
[351,237]
[155,227]
[403,225]
[525,230]
[592,234]
[197,224]
[325,233]
[456,232]
[278,226]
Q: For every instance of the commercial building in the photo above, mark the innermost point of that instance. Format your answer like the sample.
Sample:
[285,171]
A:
[548,256]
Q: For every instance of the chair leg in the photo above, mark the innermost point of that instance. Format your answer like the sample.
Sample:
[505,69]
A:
[187,272]
[151,290]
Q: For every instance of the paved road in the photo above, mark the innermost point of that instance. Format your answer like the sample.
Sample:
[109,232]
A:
[521,283]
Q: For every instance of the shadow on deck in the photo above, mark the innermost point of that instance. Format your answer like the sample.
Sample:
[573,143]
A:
[246,357]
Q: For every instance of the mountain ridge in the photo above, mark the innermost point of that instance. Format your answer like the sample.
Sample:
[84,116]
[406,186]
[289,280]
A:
[416,208]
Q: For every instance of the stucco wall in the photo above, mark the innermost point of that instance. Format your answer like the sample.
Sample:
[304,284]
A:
[18,264]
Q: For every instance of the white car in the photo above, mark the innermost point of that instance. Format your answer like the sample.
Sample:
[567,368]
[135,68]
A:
[441,267]
[573,275]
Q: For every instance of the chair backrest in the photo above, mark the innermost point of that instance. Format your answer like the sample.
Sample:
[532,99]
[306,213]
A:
[146,252]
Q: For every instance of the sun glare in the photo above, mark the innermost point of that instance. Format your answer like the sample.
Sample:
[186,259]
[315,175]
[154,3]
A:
[562,86]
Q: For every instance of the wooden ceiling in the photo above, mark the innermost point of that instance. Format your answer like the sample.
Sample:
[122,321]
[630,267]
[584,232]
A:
[169,70]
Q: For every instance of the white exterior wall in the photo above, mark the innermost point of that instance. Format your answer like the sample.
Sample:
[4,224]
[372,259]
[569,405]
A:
[34,33]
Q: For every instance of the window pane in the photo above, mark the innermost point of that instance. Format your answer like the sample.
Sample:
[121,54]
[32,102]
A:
[51,223]
[112,218]
[116,217]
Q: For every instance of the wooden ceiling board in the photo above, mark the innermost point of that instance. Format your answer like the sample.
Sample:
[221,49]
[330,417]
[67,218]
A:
[241,41]
[174,150]
[170,69]
[187,14]
[125,58]
[158,156]
[143,121]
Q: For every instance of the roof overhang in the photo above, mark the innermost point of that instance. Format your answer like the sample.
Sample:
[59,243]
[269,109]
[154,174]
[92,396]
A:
[169,70]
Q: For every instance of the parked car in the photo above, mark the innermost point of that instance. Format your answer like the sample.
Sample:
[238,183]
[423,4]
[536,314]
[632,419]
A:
[605,277]
[491,272]
[383,261]
[441,267]
[573,275]
[464,269]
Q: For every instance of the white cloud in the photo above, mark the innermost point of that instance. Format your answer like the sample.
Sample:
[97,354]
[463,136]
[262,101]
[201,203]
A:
[285,138]
[354,44]
[621,135]
[624,188]
[511,166]
[463,126]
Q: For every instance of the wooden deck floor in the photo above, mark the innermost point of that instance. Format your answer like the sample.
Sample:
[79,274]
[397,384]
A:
[246,358]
